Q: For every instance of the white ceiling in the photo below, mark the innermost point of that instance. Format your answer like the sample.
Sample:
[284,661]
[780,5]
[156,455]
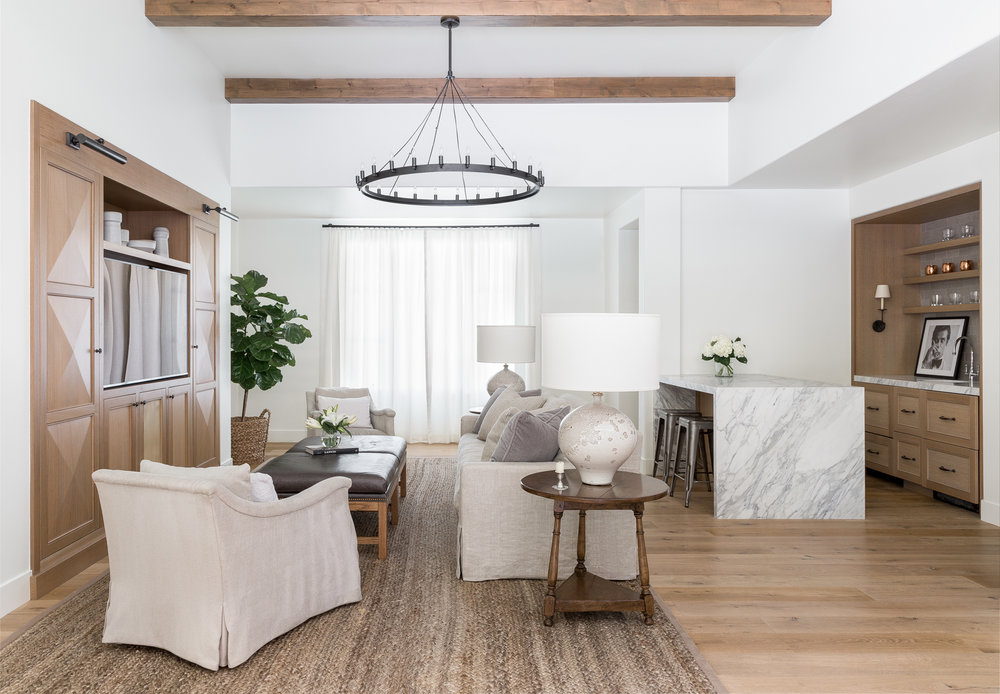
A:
[955,105]
[370,52]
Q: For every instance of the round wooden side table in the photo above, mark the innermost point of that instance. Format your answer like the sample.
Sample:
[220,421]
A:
[584,591]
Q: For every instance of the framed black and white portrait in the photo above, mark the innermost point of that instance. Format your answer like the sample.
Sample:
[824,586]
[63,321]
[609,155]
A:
[938,355]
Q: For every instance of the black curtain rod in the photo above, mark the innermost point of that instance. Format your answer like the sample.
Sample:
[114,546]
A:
[429,226]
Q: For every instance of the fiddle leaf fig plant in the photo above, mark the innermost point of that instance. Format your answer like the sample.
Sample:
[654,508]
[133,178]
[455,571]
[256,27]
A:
[262,328]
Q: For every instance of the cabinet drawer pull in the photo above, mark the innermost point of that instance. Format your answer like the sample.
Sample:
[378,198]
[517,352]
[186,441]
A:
[98,351]
[869,407]
[868,450]
[942,468]
[142,402]
[908,411]
[194,346]
[906,457]
[946,419]
[171,396]
[135,404]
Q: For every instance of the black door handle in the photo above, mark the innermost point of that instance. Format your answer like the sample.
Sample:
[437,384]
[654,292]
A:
[946,469]
[946,419]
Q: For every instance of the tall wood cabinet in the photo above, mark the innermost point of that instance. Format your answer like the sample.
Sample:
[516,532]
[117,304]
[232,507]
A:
[79,424]
[924,431]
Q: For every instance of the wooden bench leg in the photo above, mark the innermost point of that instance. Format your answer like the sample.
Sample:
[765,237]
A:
[383,530]
[394,515]
[402,478]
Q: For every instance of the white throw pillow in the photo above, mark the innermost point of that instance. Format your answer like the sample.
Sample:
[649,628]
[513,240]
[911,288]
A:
[236,478]
[262,487]
[352,407]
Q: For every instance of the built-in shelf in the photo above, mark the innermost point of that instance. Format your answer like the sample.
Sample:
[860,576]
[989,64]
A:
[950,308]
[117,250]
[941,245]
[943,277]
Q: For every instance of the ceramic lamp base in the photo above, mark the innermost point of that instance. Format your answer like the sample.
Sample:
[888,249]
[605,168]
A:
[505,377]
[597,439]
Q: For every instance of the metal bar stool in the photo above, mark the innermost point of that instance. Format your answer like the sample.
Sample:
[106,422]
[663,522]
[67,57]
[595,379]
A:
[694,434]
[665,422]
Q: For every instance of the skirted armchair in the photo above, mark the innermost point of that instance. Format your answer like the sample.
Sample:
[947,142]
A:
[212,577]
[382,420]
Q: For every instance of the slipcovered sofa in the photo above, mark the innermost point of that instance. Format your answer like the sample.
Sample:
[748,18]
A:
[504,532]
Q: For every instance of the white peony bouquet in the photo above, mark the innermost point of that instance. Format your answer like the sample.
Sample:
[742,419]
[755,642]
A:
[722,351]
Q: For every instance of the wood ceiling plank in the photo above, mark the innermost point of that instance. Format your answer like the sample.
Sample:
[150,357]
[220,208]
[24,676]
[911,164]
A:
[288,13]
[482,90]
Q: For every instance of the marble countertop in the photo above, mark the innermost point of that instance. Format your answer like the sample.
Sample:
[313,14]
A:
[936,384]
[707,383]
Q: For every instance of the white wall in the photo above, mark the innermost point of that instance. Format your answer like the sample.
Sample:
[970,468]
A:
[976,161]
[811,80]
[592,145]
[773,267]
[570,279]
[105,67]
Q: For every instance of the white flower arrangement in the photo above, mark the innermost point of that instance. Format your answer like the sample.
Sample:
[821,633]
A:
[722,351]
[331,423]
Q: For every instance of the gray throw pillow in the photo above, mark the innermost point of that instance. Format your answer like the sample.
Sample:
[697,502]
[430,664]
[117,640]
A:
[509,398]
[531,393]
[530,437]
[486,408]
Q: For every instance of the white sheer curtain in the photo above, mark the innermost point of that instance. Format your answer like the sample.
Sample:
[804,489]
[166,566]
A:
[407,305]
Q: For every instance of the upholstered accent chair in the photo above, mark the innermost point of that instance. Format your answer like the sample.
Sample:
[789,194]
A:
[211,577]
[382,420]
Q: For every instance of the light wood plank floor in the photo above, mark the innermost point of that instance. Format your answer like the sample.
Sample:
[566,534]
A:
[907,600]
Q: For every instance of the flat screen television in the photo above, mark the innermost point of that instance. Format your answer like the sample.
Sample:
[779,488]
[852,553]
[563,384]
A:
[145,323]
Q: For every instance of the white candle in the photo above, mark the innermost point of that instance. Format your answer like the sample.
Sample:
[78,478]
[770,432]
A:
[560,467]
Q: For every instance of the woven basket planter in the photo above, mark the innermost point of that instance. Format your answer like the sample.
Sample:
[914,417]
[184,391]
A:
[249,436]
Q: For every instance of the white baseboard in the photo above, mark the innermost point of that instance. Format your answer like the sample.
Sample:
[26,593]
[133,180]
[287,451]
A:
[15,592]
[287,435]
[989,512]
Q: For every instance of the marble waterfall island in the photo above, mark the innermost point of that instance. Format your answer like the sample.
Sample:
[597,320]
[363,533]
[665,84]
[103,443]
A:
[784,448]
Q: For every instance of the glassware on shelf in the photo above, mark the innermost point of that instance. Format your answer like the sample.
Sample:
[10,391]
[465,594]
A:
[968,231]
[930,269]
[948,234]
[947,267]
[974,296]
[935,300]
[955,297]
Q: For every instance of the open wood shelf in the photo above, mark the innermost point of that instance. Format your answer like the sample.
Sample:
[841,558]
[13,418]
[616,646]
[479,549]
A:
[941,245]
[117,250]
[949,308]
[943,277]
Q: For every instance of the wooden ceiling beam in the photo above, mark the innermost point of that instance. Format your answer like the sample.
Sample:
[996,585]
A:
[303,13]
[482,90]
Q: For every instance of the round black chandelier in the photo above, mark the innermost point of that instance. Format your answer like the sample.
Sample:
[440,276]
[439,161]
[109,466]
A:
[436,181]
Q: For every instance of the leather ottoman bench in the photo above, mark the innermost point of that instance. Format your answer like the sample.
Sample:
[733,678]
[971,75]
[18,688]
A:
[377,473]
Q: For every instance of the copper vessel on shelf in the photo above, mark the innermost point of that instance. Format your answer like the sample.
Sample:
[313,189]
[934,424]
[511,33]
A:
[966,265]
[947,267]
[930,270]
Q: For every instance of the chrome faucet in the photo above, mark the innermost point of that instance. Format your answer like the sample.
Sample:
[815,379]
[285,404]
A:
[971,368]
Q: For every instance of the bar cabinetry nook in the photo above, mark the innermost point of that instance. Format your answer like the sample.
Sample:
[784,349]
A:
[924,431]
[124,343]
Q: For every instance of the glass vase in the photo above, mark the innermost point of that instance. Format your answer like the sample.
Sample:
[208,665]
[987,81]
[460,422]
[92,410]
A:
[331,440]
[723,370]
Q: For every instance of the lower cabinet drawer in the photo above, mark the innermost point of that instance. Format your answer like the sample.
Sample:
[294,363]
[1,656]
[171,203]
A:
[952,419]
[907,460]
[953,470]
[878,452]
[908,408]
[877,409]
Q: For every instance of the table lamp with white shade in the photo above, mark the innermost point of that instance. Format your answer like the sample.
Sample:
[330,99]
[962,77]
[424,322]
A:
[599,353]
[505,344]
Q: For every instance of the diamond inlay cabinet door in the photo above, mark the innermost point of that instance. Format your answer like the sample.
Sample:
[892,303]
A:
[203,265]
[68,210]
[68,498]
[204,353]
[69,352]
[205,428]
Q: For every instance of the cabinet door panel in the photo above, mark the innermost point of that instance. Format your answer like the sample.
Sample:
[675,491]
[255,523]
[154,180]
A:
[179,426]
[69,509]
[204,354]
[118,429]
[909,410]
[878,452]
[877,411]
[69,352]
[205,428]
[153,411]
[952,469]
[203,265]
[68,209]
[953,419]
[907,460]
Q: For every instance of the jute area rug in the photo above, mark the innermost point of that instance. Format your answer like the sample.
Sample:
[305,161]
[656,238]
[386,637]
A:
[417,629]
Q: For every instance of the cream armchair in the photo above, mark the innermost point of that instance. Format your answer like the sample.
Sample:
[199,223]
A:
[383,420]
[212,577]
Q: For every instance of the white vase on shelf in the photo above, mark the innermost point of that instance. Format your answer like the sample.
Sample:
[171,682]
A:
[161,235]
[113,227]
